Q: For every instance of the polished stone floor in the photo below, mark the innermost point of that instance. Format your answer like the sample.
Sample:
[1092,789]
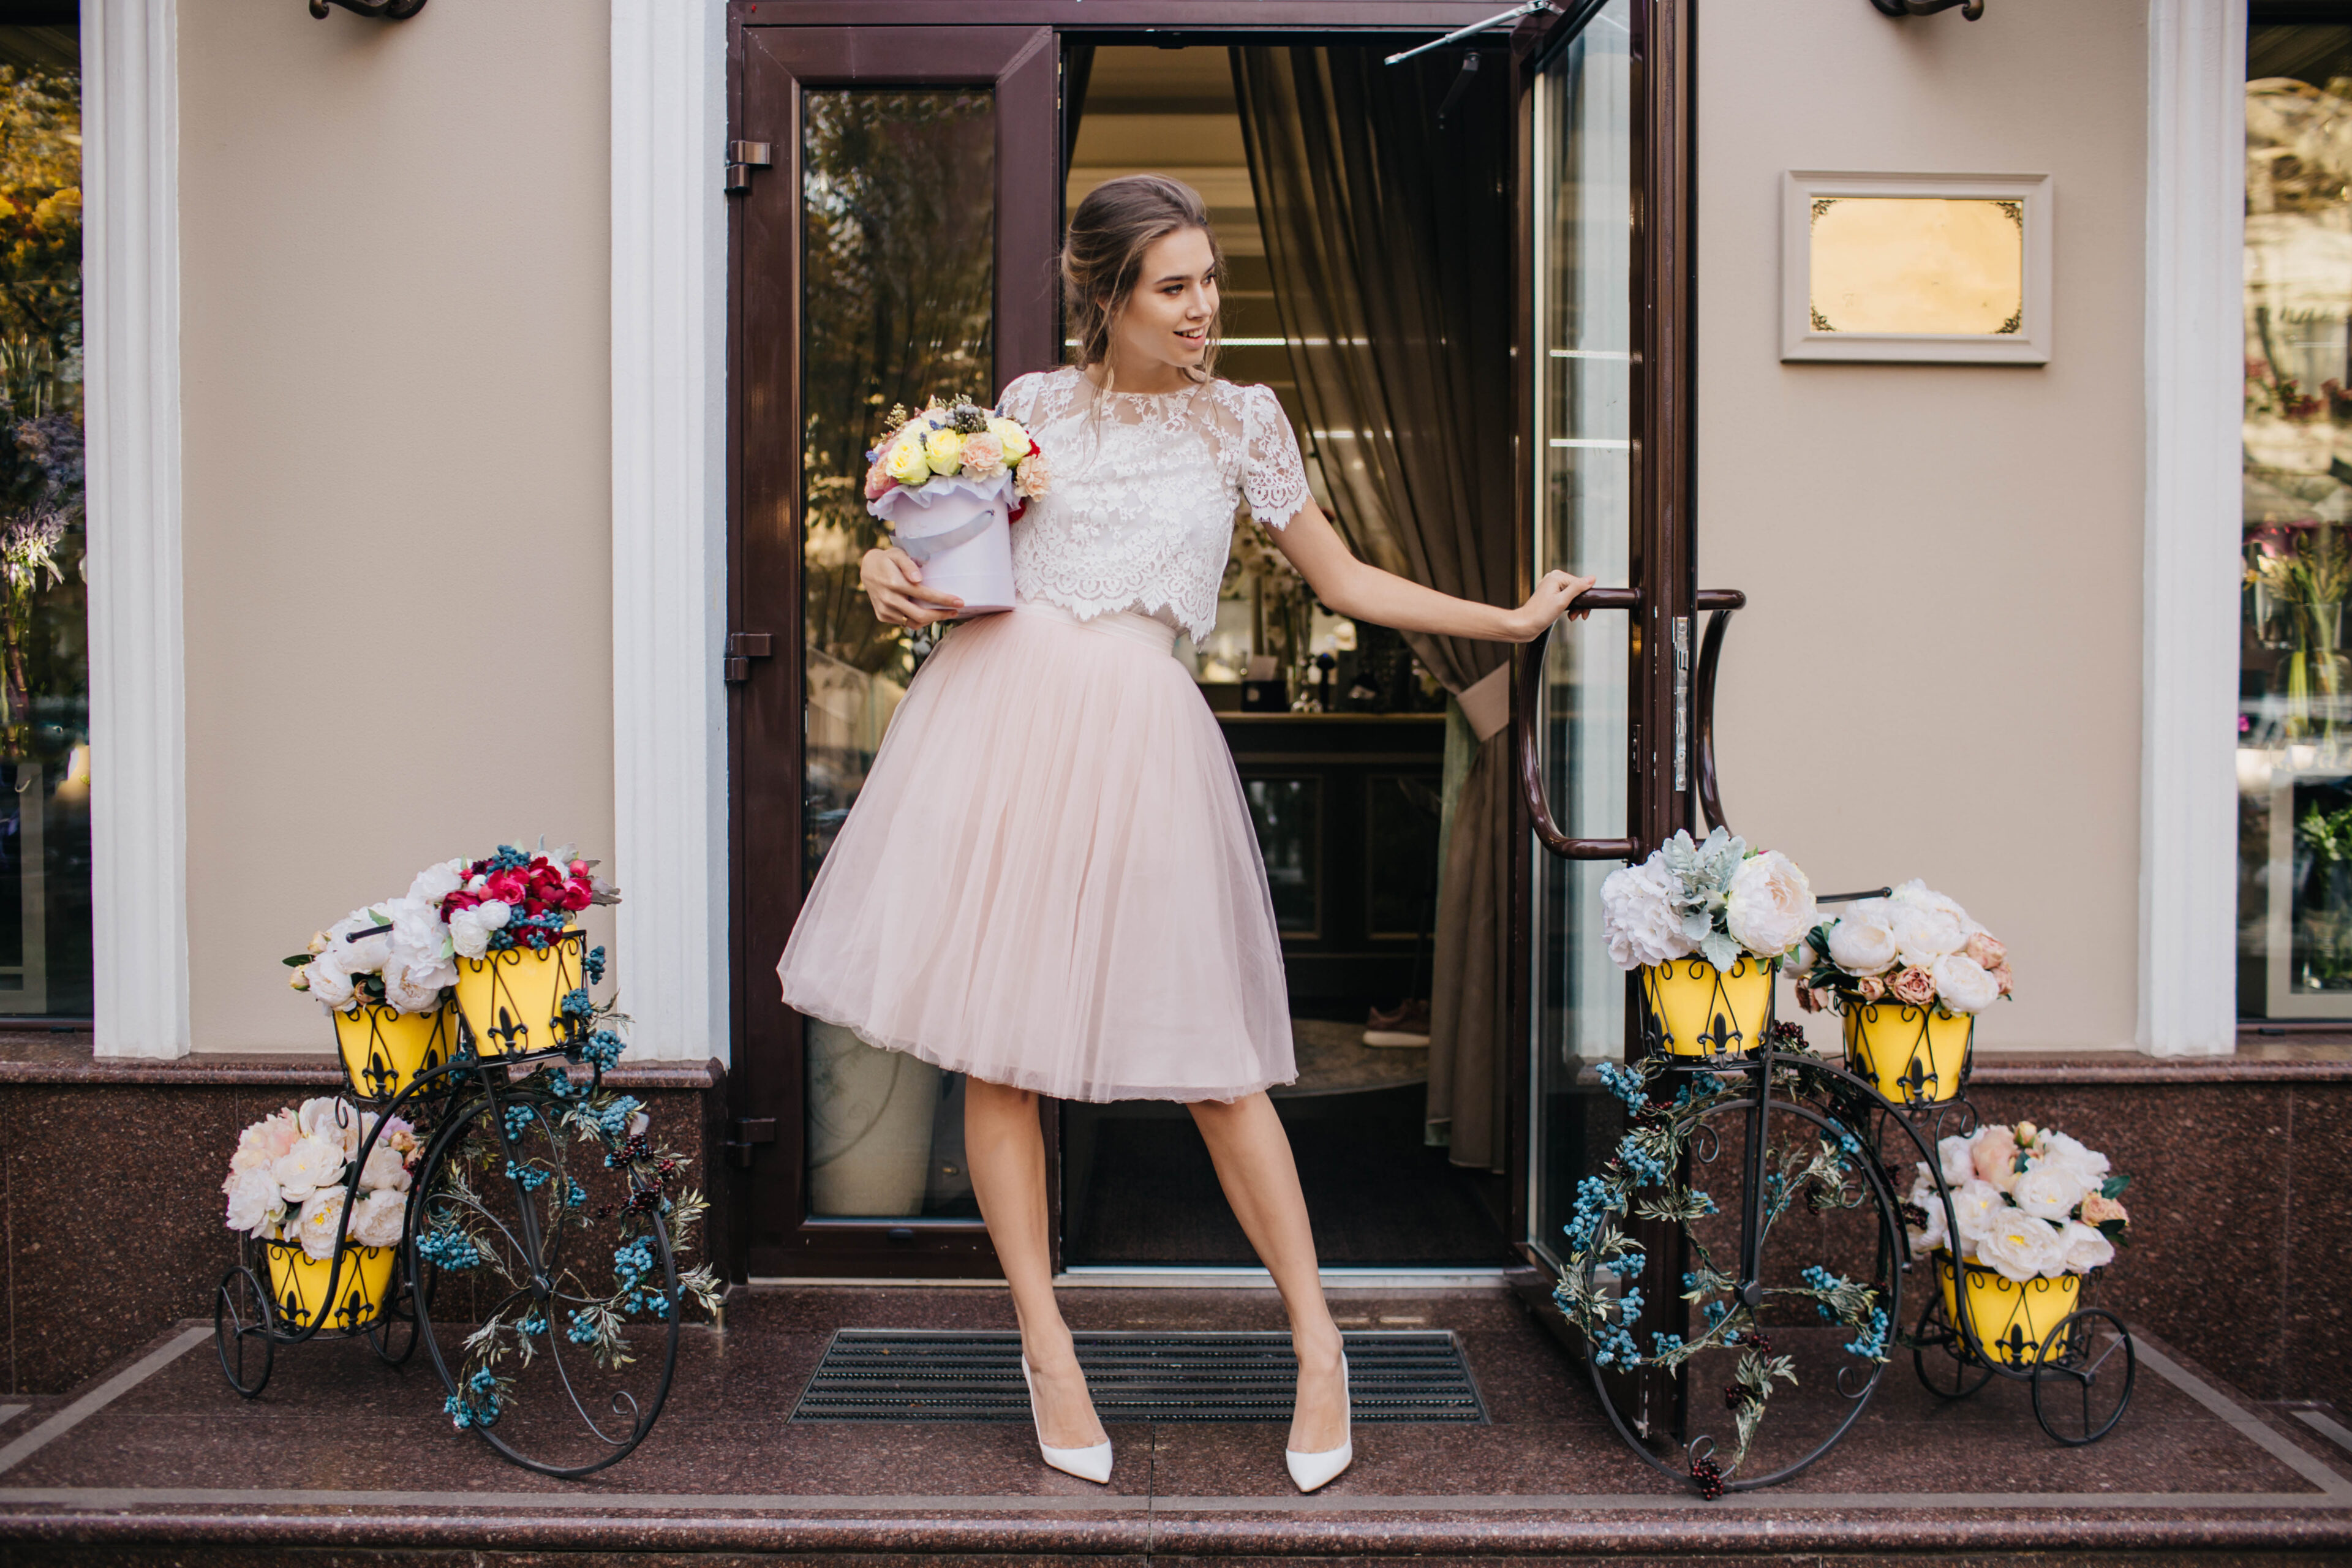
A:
[158,1461]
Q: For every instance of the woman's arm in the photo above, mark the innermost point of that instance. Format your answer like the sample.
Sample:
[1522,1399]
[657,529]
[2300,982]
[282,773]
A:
[1364,593]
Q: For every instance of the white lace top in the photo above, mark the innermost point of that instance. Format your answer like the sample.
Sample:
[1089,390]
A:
[1140,513]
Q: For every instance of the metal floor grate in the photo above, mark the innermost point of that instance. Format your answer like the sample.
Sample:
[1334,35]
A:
[906,1374]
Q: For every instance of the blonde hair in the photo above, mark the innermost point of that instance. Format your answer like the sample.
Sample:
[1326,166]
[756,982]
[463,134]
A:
[1102,258]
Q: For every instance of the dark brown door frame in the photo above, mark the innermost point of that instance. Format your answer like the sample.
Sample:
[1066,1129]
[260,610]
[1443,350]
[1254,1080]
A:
[831,42]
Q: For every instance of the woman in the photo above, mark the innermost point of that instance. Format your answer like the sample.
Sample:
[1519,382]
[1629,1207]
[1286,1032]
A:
[1049,882]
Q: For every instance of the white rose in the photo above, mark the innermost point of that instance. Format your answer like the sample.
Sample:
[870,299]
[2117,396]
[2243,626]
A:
[1638,916]
[1936,1234]
[1963,985]
[2048,1194]
[2057,1152]
[253,1201]
[1770,906]
[377,1221]
[385,1171]
[313,1163]
[1976,1205]
[1923,936]
[435,883]
[2019,1247]
[469,933]
[1860,941]
[2083,1247]
[323,1216]
[1960,1158]
[329,981]
[495,914]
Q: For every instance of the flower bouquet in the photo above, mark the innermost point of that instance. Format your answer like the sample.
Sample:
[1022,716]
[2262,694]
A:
[1909,973]
[1704,924]
[291,1185]
[948,481]
[2034,1211]
[522,965]
[384,975]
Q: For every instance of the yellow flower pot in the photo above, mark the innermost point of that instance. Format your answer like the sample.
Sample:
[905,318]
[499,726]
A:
[1698,1010]
[298,1285]
[384,1049]
[1910,1055]
[2011,1320]
[510,999]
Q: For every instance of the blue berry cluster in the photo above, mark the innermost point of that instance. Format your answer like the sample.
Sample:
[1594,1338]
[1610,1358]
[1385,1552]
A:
[1594,1197]
[558,1081]
[574,1195]
[534,1325]
[510,857]
[575,1004]
[517,1119]
[1870,1342]
[1625,1084]
[582,1331]
[1827,1283]
[532,1177]
[1665,1345]
[593,966]
[613,1120]
[478,1405]
[1714,1312]
[449,1247]
[1648,1171]
[630,1265]
[604,1048]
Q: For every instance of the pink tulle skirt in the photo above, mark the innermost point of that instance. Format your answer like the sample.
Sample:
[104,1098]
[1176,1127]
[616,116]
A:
[1050,879]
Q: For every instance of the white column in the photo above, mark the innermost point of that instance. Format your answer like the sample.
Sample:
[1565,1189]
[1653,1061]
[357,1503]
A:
[670,525]
[130,303]
[2188,803]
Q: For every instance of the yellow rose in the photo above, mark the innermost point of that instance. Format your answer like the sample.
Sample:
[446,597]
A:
[944,449]
[1017,444]
[905,462]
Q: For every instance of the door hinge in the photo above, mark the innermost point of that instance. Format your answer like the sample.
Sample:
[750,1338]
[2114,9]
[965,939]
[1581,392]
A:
[750,1133]
[1682,704]
[742,647]
[743,157]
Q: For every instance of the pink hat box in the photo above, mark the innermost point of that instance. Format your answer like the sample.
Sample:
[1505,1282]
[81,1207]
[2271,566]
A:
[959,532]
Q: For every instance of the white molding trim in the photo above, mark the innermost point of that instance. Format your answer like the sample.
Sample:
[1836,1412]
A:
[670,525]
[130,302]
[2195,259]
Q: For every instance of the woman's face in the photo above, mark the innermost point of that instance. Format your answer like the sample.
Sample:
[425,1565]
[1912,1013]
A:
[1166,319]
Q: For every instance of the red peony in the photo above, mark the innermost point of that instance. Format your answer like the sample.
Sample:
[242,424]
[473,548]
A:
[575,898]
[508,887]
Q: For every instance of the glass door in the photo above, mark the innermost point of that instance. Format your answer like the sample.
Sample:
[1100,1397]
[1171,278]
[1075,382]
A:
[898,244]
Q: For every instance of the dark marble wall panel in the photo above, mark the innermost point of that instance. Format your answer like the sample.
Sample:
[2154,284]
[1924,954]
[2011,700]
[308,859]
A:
[2316,1334]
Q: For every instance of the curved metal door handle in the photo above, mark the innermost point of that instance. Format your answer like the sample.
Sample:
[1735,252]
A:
[1531,673]
[1720,602]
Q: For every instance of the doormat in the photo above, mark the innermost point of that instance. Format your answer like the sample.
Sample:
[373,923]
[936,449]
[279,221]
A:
[912,1375]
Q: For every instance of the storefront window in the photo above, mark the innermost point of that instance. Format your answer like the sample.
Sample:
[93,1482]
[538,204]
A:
[2294,727]
[44,948]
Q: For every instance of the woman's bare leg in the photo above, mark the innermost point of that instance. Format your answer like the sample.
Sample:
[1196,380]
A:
[1261,1181]
[1005,1150]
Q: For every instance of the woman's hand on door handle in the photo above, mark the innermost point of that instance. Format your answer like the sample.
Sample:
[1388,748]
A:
[895,584]
[1551,601]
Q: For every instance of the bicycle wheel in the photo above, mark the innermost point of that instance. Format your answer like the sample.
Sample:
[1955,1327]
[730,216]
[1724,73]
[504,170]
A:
[1792,1284]
[2083,1377]
[244,1332]
[556,1369]
[1942,1364]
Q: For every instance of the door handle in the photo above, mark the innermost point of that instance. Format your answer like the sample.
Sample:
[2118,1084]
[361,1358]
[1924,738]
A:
[1720,604]
[1530,674]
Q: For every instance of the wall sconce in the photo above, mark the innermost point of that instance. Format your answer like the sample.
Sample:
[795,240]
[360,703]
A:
[1971,9]
[382,10]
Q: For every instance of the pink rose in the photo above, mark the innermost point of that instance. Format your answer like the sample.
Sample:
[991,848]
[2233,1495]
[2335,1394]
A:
[1809,999]
[878,482]
[2097,1209]
[1994,1153]
[1034,478]
[1872,987]
[1999,974]
[1914,986]
[983,457]
[1981,947]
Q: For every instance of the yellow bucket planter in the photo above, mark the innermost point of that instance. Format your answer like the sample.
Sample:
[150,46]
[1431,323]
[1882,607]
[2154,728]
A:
[384,1049]
[1698,1010]
[2011,1320]
[1910,1055]
[298,1285]
[510,999]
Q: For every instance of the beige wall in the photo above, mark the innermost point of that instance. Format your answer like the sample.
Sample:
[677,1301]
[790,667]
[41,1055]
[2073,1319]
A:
[1940,673]
[393,279]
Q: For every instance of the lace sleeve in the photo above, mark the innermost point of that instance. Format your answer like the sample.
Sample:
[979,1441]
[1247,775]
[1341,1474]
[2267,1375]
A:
[1274,476]
[1015,402]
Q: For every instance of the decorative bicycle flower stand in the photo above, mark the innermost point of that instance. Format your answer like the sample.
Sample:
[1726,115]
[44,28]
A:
[558,1375]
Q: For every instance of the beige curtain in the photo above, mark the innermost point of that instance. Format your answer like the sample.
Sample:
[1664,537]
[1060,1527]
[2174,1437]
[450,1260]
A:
[1389,238]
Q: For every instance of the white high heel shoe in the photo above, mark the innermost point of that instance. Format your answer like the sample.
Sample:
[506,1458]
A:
[1309,1472]
[1088,1464]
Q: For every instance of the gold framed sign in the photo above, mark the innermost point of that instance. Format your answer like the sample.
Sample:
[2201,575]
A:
[1934,268]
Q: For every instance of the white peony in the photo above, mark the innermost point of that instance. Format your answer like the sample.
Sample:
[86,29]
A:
[332,1120]
[1860,941]
[1638,915]
[253,1202]
[1770,906]
[1923,936]
[2019,1247]
[1976,1205]
[313,1163]
[2084,1247]
[322,1217]
[1917,894]
[435,883]
[385,1171]
[2057,1152]
[416,988]
[377,1221]
[1962,984]
[1935,1234]
[360,955]
[420,955]
[1960,1158]
[2048,1194]
[329,981]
